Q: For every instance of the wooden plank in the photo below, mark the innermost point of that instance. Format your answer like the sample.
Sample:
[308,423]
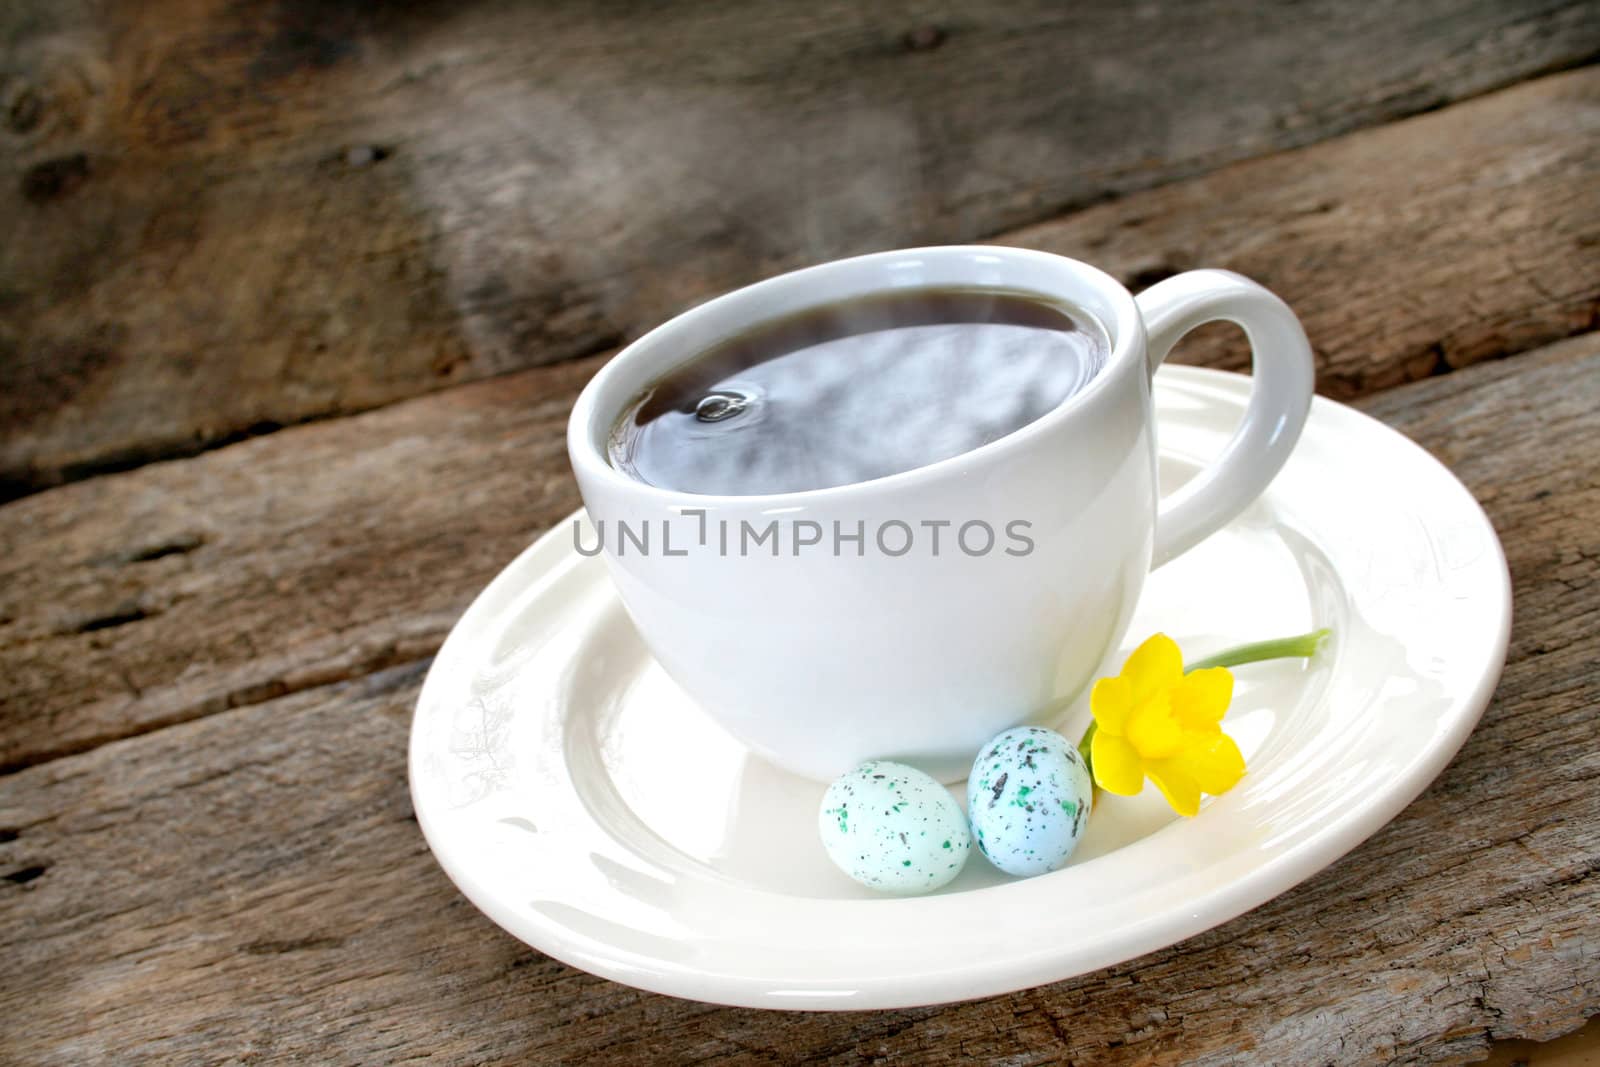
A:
[1407,250]
[218,218]
[157,595]
[252,884]
[279,564]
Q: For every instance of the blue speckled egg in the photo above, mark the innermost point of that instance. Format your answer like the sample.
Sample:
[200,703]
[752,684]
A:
[893,828]
[1029,797]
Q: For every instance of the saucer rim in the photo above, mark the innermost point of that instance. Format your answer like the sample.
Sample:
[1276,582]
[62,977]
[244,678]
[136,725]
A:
[967,979]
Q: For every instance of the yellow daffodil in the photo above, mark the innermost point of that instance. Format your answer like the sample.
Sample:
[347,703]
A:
[1155,721]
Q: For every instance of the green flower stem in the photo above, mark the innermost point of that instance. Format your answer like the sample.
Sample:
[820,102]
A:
[1302,646]
[1085,751]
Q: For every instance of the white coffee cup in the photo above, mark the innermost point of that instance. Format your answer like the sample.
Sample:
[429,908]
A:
[834,651]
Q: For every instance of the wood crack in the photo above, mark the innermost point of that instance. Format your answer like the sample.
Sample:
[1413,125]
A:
[257,693]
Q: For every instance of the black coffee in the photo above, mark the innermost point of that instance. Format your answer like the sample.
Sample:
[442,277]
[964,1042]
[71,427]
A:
[855,391]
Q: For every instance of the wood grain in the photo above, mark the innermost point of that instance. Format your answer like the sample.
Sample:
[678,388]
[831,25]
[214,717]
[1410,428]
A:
[251,885]
[217,218]
[1407,251]
[136,600]
[158,595]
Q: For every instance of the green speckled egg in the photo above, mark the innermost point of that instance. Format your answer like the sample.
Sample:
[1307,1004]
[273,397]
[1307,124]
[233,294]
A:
[893,828]
[1029,797]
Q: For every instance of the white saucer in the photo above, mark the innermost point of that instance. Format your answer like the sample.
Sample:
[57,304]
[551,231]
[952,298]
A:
[578,798]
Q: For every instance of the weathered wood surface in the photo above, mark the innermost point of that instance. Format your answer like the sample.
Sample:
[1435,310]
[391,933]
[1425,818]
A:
[216,218]
[140,599]
[1407,250]
[181,589]
[252,884]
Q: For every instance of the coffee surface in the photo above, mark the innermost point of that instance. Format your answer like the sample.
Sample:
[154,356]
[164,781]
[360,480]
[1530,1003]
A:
[856,390]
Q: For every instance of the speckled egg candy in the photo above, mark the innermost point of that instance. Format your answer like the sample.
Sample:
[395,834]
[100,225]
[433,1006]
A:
[893,828]
[1029,797]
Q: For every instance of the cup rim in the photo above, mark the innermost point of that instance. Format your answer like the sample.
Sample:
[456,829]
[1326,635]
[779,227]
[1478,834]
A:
[1123,326]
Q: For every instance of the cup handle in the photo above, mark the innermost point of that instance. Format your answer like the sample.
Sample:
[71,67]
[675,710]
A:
[1283,376]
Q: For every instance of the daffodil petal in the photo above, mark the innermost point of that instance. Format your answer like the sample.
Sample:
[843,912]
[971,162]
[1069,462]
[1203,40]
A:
[1153,730]
[1180,789]
[1202,697]
[1214,762]
[1111,700]
[1153,667]
[1117,767]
